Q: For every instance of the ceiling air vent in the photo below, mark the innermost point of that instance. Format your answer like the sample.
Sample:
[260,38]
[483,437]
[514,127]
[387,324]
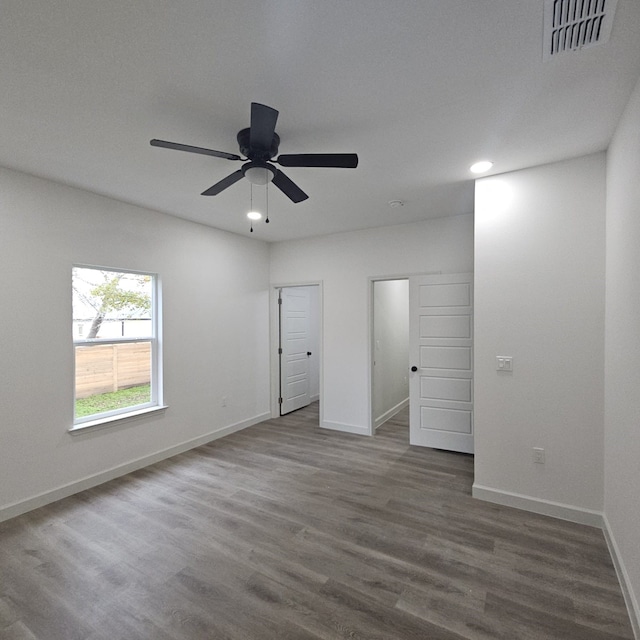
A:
[570,25]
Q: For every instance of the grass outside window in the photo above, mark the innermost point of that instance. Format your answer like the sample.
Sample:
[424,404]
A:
[103,402]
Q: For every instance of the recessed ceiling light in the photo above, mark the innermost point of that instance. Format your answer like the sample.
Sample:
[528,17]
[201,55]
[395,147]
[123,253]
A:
[481,167]
[396,203]
[254,215]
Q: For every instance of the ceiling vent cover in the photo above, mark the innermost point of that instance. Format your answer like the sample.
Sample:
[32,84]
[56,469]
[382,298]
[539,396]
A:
[570,25]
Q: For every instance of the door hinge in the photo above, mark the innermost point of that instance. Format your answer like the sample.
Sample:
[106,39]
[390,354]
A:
[280,351]
[279,400]
[279,300]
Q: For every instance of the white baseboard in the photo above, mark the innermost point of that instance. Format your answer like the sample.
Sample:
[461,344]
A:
[387,415]
[42,499]
[346,428]
[623,577]
[315,397]
[536,505]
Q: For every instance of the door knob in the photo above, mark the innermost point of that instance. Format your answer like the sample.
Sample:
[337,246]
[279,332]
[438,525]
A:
[308,353]
[414,368]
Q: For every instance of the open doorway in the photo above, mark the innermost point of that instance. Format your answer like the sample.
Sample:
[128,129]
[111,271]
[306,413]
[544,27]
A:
[298,347]
[422,330]
[390,353]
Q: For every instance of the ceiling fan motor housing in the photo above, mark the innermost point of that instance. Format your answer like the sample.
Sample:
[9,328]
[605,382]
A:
[257,153]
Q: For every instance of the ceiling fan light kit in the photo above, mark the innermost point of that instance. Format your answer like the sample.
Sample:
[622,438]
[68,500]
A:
[259,145]
[258,173]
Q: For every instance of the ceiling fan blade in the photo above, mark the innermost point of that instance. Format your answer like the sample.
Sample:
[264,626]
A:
[186,147]
[263,126]
[289,188]
[337,160]
[223,184]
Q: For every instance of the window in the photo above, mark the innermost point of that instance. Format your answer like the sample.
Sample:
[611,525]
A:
[115,338]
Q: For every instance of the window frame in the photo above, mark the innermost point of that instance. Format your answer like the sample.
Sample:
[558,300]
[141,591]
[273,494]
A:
[156,395]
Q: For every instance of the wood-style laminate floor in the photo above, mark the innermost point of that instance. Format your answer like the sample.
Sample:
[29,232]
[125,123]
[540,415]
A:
[286,531]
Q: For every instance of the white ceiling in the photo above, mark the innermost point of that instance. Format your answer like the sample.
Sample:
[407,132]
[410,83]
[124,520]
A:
[418,88]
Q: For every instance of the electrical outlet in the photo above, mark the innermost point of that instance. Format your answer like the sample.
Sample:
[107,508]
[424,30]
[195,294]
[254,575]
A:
[538,455]
[224,401]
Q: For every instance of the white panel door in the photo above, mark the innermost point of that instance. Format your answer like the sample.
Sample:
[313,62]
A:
[441,359]
[295,306]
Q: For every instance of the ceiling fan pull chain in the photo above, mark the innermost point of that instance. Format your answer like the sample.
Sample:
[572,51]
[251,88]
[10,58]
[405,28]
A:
[251,207]
[267,212]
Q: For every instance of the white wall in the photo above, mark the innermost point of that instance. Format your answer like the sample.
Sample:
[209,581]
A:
[622,349]
[344,263]
[390,348]
[539,297]
[215,299]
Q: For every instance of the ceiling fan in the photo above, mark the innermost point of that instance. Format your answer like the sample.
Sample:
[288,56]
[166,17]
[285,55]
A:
[259,145]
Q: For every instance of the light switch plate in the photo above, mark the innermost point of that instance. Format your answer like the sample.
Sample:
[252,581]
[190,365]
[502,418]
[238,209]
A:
[504,363]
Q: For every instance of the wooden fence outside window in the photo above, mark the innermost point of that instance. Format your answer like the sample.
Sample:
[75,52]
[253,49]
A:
[104,368]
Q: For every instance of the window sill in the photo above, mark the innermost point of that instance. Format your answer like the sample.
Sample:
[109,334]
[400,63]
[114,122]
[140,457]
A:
[105,422]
